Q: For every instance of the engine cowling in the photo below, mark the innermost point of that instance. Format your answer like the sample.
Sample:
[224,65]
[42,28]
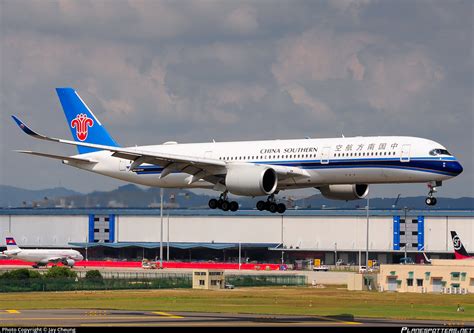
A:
[251,180]
[69,262]
[345,192]
[43,262]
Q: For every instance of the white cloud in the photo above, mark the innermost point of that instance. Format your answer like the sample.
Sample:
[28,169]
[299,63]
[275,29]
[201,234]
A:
[243,20]
[391,79]
[300,96]
[320,55]
[397,79]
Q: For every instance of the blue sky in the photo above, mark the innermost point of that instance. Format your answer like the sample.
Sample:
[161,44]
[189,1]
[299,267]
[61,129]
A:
[191,71]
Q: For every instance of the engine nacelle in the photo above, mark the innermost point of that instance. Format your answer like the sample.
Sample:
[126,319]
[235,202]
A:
[69,262]
[251,180]
[43,262]
[345,192]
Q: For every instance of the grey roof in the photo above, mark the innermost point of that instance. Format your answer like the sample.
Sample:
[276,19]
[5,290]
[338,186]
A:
[209,212]
[178,245]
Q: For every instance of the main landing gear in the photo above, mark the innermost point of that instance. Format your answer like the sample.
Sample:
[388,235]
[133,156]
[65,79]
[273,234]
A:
[271,205]
[223,203]
[430,199]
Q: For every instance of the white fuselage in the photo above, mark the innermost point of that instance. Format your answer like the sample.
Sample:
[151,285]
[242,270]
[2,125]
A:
[355,160]
[43,256]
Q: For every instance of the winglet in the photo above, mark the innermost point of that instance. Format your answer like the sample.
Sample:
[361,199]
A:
[24,128]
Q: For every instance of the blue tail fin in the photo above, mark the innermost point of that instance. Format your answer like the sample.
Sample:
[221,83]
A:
[85,127]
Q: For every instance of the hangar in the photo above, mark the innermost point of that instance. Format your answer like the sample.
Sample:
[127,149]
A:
[329,235]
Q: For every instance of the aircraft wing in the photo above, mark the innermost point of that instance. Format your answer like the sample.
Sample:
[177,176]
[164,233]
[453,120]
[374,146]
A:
[209,169]
[58,157]
[55,259]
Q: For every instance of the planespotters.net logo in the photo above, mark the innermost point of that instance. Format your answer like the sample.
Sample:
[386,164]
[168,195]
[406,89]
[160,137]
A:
[437,330]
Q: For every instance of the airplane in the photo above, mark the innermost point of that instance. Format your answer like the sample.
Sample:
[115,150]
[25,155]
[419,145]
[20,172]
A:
[459,250]
[340,168]
[41,257]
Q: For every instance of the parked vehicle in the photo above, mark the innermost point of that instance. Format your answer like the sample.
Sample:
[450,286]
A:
[322,268]
[147,264]
[364,269]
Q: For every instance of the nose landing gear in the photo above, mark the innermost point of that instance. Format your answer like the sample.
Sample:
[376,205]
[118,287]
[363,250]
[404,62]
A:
[431,200]
[271,205]
[223,203]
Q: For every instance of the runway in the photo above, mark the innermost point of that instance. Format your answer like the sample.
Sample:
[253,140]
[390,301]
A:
[90,317]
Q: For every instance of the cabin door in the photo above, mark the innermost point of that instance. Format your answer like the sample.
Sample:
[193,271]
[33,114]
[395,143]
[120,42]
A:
[325,155]
[405,156]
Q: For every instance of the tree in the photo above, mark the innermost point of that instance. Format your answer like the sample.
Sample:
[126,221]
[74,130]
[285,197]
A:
[60,272]
[20,274]
[94,275]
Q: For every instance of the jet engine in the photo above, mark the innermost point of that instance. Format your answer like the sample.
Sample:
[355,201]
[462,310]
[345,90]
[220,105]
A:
[69,262]
[251,180]
[345,192]
[43,262]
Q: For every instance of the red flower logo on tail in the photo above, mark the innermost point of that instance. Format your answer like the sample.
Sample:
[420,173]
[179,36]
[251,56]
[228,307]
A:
[81,123]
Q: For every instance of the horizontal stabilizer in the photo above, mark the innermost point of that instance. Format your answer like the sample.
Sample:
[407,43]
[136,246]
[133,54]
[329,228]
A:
[58,157]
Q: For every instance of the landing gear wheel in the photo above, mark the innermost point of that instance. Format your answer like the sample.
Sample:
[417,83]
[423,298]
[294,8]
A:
[213,204]
[261,205]
[430,201]
[272,207]
[219,203]
[234,206]
[225,205]
[281,208]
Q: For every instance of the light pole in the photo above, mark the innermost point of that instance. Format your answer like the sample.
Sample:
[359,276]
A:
[240,256]
[161,232]
[367,237]
[168,238]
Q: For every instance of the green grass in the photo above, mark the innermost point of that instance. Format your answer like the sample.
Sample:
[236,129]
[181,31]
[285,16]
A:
[329,301]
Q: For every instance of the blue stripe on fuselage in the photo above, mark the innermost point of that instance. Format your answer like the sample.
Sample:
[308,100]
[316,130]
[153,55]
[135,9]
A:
[444,166]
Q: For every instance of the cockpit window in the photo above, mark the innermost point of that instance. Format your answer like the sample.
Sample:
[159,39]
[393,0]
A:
[436,152]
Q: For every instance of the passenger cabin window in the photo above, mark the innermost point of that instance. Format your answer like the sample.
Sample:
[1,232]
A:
[436,152]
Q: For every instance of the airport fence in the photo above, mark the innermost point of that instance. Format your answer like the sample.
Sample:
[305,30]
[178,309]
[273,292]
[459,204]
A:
[266,280]
[75,284]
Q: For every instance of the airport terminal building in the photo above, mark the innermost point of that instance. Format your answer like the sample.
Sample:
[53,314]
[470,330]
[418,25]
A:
[329,235]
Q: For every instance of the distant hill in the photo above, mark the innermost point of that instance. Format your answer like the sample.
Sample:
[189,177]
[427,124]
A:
[317,201]
[133,196]
[17,197]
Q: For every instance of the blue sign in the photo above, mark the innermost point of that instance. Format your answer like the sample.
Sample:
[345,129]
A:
[396,232]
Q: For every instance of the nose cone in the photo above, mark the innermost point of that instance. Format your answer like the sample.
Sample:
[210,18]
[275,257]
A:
[80,257]
[455,167]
